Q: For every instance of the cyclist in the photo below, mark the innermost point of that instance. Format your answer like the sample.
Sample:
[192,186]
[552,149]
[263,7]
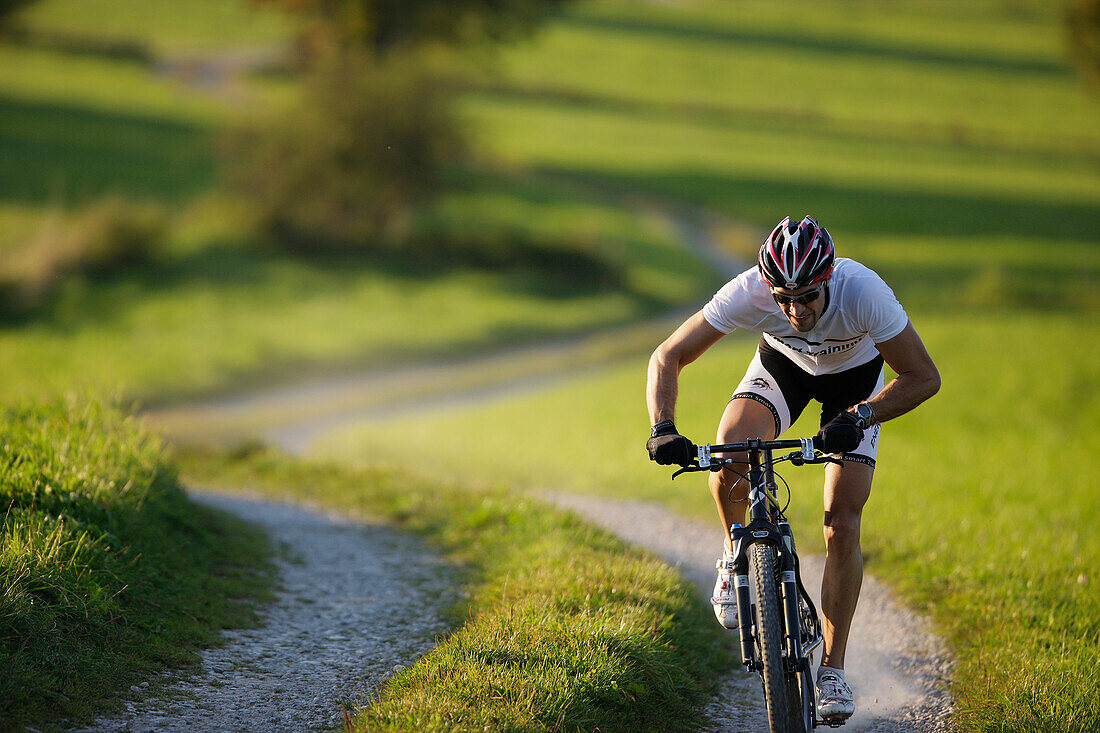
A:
[828,324]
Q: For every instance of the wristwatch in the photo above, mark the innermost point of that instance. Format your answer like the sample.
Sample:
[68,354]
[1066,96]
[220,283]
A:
[665,427]
[865,414]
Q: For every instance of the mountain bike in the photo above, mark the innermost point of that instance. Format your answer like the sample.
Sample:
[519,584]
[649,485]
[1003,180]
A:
[780,629]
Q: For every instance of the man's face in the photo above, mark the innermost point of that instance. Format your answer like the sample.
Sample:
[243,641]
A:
[802,315]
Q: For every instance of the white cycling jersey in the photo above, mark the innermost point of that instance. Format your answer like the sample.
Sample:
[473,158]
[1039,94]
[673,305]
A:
[861,312]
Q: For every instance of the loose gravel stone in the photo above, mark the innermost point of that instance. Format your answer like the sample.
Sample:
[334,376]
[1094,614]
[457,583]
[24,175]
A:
[356,601]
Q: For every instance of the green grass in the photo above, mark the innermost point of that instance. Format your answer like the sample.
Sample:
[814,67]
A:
[163,25]
[108,574]
[879,68]
[61,153]
[216,310]
[981,512]
[562,627]
[908,130]
[212,313]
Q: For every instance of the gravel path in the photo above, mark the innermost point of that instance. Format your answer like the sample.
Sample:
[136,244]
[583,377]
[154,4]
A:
[356,601]
[895,665]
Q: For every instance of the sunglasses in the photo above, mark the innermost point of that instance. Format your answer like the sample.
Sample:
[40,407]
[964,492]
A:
[803,299]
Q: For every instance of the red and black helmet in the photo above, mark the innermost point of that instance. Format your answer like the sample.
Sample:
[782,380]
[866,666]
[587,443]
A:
[796,255]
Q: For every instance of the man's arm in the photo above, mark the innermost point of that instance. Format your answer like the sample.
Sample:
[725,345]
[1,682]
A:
[684,346]
[917,380]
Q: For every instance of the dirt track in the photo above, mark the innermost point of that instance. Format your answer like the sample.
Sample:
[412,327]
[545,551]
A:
[355,601]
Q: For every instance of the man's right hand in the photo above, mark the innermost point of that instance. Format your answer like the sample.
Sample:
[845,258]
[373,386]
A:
[667,447]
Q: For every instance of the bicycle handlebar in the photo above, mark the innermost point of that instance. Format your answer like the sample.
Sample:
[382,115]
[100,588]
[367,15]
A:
[809,447]
[707,461]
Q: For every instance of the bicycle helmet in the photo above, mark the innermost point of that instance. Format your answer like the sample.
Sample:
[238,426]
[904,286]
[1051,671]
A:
[796,255]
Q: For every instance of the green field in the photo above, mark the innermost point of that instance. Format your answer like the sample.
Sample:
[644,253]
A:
[215,313]
[949,146]
[215,309]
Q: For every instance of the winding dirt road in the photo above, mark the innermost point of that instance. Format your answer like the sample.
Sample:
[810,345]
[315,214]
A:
[354,602]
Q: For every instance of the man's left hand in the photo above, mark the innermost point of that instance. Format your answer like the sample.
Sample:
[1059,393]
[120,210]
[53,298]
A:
[841,434]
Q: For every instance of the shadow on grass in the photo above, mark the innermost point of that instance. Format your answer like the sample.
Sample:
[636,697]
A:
[71,44]
[531,269]
[1046,282]
[857,49]
[929,137]
[860,209]
[51,151]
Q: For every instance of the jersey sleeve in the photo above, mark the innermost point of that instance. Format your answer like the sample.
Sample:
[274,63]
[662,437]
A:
[881,315]
[732,306]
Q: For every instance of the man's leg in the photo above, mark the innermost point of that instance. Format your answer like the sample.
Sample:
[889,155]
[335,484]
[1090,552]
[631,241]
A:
[846,490]
[743,419]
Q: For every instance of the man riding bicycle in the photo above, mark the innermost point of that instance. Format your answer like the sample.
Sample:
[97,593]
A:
[828,324]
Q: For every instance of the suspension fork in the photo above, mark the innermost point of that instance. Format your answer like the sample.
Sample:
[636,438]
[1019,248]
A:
[788,590]
[742,540]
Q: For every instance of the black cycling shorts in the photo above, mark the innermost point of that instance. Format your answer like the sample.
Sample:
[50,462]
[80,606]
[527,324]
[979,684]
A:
[779,384]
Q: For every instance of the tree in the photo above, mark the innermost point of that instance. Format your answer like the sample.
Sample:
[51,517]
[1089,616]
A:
[342,170]
[346,168]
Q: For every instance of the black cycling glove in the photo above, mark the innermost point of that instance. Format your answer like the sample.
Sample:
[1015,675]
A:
[668,447]
[841,434]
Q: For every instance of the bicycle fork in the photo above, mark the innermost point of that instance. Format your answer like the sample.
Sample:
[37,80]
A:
[761,530]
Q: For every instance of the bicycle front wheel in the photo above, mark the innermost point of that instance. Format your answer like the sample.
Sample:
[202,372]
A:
[769,639]
[800,699]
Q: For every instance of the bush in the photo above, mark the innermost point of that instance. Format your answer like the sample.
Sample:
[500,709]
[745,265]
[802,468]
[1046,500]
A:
[343,169]
[104,238]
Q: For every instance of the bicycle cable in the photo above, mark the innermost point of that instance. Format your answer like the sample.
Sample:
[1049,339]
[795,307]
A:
[787,486]
[741,476]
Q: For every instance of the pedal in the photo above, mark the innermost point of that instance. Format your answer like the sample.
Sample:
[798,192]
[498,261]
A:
[834,722]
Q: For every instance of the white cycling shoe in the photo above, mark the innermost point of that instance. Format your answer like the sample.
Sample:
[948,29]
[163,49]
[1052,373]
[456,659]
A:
[724,598]
[834,698]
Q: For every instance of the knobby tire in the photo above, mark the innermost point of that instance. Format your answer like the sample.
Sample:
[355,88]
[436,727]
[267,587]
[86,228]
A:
[769,639]
[800,691]
[799,697]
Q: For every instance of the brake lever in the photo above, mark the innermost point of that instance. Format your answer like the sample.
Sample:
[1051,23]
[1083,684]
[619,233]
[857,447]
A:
[688,469]
[796,458]
[716,465]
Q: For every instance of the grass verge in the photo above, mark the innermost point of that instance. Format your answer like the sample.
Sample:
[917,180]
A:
[563,627]
[108,573]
